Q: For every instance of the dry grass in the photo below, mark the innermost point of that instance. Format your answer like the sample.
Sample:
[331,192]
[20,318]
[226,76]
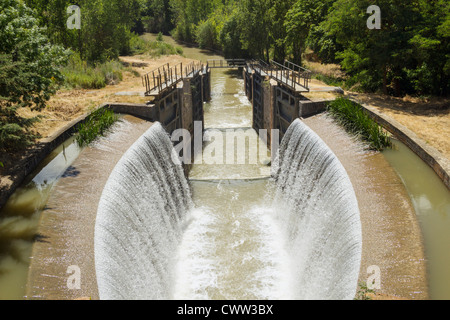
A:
[330,70]
[429,119]
[67,105]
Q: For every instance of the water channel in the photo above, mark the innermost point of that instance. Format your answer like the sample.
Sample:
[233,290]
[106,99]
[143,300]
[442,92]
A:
[236,190]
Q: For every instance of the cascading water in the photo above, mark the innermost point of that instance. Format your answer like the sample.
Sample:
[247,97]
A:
[318,213]
[303,244]
[140,221]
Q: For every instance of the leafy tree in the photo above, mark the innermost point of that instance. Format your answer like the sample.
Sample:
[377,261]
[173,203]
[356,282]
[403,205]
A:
[29,72]
[300,20]
[106,26]
[157,16]
[278,32]
[230,38]
[375,58]
[255,27]
[431,49]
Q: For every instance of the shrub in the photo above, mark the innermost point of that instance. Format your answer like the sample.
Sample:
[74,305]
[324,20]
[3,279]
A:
[153,49]
[97,124]
[352,116]
[80,74]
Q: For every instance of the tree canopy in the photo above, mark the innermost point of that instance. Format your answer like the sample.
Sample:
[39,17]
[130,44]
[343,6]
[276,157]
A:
[29,71]
[409,54]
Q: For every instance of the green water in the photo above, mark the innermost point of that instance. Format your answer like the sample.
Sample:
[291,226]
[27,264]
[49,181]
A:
[431,200]
[19,218]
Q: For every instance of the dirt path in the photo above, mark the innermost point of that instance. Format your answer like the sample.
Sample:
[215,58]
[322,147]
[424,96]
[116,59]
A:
[429,119]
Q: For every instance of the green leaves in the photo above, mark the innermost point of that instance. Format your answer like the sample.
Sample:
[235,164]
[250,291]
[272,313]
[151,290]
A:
[29,72]
[356,121]
[96,125]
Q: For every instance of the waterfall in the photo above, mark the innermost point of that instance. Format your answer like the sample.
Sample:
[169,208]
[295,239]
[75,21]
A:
[308,240]
[140,221]
[316,208]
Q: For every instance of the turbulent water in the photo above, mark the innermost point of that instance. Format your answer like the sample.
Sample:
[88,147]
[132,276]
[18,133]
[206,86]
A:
[140,221]
[304,243]
[319,217]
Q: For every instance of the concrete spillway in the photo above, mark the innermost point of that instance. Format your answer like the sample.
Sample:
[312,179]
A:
[151,242]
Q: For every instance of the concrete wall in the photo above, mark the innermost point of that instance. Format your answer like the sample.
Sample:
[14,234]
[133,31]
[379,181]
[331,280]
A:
[432,157]
[308,108]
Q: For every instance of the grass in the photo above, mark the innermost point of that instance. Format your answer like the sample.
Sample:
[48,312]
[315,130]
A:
[97,124]
[80,74]
[330,80]
[356,121]
[153,48]
[363,292]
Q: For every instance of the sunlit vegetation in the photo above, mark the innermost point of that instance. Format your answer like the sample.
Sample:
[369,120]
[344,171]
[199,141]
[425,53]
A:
[96,125]
[356,121]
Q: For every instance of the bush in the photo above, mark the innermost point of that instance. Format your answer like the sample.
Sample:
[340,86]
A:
[352,116]
[96,125]
[206,35]
[154,49]
[80,74]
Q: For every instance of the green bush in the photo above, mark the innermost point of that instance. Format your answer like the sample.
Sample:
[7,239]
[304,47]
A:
[97,124]
[80,74]
[153,49]
[352,116]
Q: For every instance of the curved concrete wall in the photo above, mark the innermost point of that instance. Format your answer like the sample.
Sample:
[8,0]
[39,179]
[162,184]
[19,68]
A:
[431,156]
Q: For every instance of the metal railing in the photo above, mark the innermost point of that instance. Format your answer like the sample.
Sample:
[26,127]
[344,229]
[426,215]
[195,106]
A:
[193,68]
[161,78]
[164,77]
[291,75]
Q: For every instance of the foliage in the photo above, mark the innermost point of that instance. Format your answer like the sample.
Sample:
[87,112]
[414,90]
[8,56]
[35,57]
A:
[96,124]
[157,16]
[80,74]
[154,49]
[364,292]
[408,55]
[106,26]
[230,37]
[29,72]
[352,116]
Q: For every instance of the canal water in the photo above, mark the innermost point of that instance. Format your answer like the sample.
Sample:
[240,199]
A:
[431,200]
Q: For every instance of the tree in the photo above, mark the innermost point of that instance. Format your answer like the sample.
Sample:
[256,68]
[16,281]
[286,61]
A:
[300,19]
[255,27]
[431,49]
[374,58]
[278,30]
[230,38]
[29,72]
[157,16]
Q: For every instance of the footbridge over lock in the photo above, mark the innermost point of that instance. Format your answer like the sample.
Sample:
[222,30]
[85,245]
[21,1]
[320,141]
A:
[275,90]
